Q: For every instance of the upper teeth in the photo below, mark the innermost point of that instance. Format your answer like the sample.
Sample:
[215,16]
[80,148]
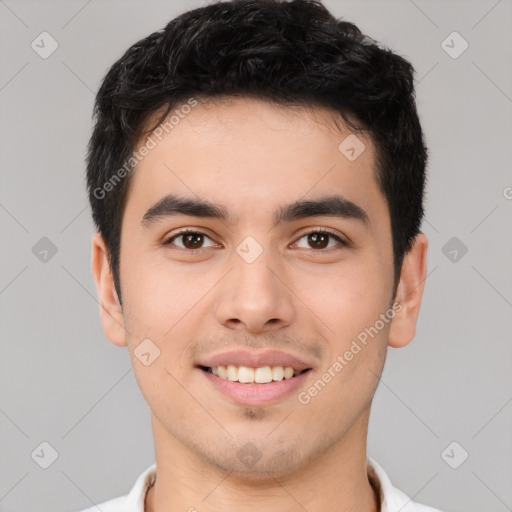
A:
[259,375]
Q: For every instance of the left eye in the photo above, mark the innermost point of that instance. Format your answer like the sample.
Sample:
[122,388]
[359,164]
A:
[320,239]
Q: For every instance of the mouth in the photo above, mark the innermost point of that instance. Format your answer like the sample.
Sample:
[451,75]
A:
[255,387]
[255,378]
[248,375]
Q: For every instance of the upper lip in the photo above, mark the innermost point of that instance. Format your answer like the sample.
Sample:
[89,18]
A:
[255,359]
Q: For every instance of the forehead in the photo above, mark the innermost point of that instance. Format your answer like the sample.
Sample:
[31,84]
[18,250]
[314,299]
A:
[247,153]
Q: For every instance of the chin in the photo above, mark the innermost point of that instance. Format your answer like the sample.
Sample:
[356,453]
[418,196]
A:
[256,462]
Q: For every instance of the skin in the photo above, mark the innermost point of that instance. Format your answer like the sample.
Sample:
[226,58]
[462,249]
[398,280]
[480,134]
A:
[252,157]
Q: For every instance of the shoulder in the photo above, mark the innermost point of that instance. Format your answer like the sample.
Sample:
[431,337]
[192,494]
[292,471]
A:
[405,504]
[134,500]
[393,499]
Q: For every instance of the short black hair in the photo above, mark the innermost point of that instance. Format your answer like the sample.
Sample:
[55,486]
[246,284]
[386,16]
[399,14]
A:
[292,53]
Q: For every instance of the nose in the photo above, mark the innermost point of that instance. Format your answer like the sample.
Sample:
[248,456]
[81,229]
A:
[255,296]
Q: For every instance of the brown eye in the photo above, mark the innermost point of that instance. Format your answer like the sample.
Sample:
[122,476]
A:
[318,240]
[321,239]
[190,240]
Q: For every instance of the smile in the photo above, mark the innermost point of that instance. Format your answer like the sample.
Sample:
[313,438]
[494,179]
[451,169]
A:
[248,375]
[243,389]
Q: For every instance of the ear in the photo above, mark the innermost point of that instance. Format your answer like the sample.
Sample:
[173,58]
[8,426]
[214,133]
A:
[111,312]
[409,293]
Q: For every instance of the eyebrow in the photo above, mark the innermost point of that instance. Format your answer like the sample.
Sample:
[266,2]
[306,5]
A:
[330,206]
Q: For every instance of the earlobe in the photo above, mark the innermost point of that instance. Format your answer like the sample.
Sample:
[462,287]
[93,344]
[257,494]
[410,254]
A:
[111,313]
[409,293]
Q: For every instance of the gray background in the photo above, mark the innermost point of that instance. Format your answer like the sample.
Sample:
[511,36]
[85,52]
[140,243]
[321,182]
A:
[62,382]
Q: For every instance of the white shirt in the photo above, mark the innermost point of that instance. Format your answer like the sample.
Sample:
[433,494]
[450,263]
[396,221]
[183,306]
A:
[392,499]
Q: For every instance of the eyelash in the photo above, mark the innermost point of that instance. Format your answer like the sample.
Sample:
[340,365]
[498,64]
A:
[169,241]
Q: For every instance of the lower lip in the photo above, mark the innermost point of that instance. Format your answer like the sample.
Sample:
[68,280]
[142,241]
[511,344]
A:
[256,394]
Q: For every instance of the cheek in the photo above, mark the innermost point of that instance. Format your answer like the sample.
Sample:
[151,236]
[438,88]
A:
[160,308]
[165,304]
[350,304]
[356,350]
[155,298]
[349,298]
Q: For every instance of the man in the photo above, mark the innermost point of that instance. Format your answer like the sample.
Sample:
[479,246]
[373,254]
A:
[256,175]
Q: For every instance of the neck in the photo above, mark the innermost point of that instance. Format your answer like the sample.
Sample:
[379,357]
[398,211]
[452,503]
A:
[337,479]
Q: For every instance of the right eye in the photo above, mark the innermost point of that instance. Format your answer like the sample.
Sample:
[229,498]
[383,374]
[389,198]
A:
[192,241]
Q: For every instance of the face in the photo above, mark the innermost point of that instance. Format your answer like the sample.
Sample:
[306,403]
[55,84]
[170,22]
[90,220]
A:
[305,291]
